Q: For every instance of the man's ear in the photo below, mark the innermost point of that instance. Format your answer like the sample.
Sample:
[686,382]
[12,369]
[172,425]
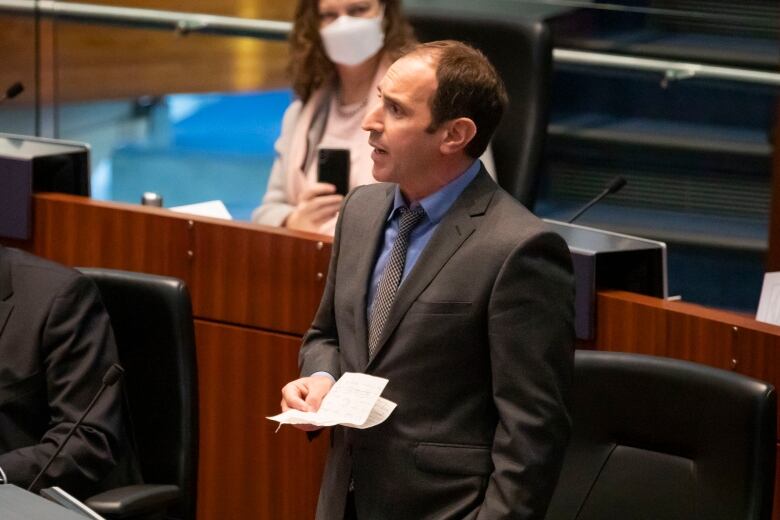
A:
[459,134]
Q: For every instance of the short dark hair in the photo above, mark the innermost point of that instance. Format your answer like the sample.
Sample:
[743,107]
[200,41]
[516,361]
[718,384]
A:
[468,86]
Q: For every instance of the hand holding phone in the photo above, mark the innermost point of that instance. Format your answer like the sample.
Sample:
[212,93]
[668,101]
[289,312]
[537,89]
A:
[333,168]
[317,203]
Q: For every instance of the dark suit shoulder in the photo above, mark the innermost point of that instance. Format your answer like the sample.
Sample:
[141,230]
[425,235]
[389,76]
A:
[513,224]
[33,275]
[363,203]
[369,194]
[375,189]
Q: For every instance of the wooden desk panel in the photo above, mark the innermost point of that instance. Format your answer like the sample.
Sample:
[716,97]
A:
[623,335]
[237,273]
[272,280]
[246,470]
[77,231]
[629,322]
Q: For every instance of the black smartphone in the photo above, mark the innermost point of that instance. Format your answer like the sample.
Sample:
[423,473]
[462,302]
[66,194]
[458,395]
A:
[333,167]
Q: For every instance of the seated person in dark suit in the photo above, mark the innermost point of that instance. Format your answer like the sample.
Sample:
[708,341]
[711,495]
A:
[56,344]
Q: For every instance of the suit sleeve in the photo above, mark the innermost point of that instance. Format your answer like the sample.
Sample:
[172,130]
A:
[77,347]
[320,348]
[531,339]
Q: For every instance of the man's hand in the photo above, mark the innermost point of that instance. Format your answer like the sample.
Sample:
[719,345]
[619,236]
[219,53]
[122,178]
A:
[306,394]
[318,203]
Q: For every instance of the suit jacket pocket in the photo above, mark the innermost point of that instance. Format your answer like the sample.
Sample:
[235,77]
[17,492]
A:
[453,459]
[18,389]
[423,307]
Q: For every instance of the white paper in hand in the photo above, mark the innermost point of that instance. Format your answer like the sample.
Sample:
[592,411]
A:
[353,401]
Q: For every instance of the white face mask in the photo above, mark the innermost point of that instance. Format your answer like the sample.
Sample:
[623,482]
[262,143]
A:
[351,40]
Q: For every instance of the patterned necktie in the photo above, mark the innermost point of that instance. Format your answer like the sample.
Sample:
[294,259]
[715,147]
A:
[391,277]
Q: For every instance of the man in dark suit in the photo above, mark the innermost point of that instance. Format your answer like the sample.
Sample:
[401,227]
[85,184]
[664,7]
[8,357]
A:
[56,344]
[476,340]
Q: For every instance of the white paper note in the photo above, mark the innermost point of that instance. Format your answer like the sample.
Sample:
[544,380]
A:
[381,411]
[353,401]
[211,208]
[769,304]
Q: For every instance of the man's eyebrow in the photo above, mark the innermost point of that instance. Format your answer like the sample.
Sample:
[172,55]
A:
[392,99]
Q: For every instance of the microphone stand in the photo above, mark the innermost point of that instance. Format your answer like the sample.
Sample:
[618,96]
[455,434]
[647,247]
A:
[613,187]
[113,375]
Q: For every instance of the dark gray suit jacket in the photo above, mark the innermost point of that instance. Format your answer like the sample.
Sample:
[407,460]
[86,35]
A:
[56,344]
[478,349]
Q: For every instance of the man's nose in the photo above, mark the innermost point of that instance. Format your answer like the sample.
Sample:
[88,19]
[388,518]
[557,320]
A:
[372,120]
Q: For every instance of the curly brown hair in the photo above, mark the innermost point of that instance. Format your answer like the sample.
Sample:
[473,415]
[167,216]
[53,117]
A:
[309,66]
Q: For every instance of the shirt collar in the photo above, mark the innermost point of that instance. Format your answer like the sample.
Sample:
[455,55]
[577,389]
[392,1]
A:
[437,203]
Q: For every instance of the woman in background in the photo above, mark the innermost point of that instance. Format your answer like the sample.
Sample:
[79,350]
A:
[339,51]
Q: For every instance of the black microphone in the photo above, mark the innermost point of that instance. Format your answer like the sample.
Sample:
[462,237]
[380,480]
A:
[113,374]
[12,91]
[614,186]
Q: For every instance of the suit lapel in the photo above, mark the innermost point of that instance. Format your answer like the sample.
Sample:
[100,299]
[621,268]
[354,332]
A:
[6,290]
[370,241]
[456,226]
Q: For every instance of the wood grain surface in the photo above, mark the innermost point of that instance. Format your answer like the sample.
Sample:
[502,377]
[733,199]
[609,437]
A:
[247,470]
[88,61]
[271,280]
[239,273]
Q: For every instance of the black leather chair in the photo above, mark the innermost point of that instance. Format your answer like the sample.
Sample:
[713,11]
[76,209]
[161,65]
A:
[664,439]
[521,51]
[152,321]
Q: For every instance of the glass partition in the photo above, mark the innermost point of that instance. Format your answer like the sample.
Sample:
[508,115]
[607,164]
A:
[696,151]
[194,117]
[19,115]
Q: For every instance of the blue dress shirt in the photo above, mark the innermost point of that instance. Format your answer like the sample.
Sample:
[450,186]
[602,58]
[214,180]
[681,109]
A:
[435,206]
